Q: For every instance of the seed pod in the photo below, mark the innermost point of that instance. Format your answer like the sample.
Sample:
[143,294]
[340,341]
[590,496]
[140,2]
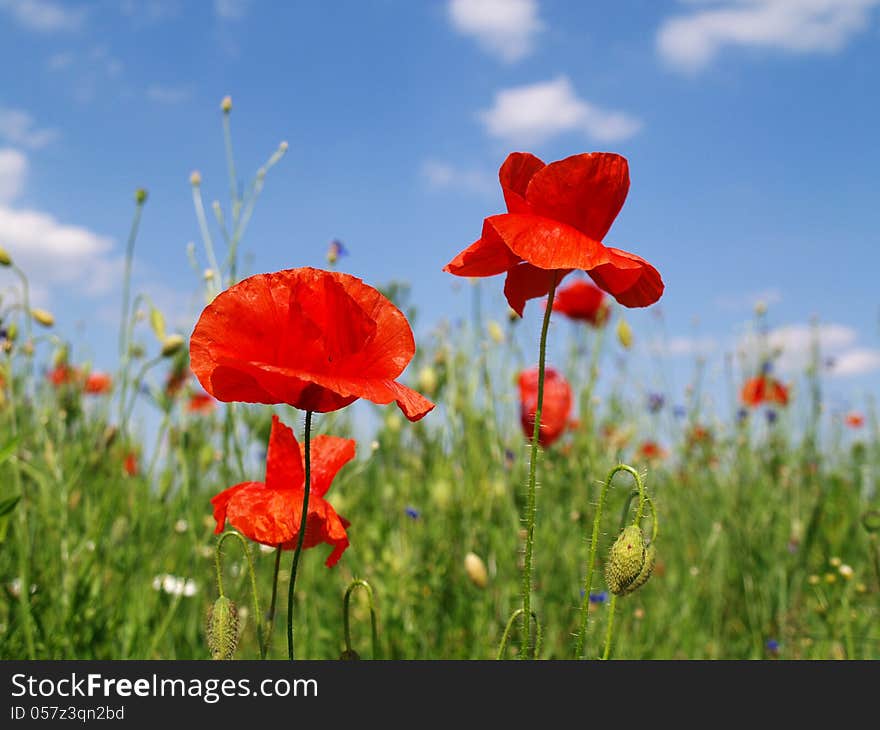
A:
[222,628]
[625,560]
[647,569]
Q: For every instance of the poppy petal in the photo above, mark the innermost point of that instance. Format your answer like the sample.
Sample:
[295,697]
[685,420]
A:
[526,282]
[630,279]
[487,256]
[585,191]
[264,515]
[284,465]
[323,525]
[514,175]
[546,243]
[328,455]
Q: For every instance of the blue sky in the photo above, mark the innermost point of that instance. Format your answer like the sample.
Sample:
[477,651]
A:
[750,127]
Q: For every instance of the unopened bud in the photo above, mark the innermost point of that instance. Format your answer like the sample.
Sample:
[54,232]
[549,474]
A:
[5,258]
[624,333]
[157,323]
[647,569]
[43,317]
[625,560]
[476,570]
[140,196]
[171,345]
[195,178]
[222,628]
[12,332]
[226,104]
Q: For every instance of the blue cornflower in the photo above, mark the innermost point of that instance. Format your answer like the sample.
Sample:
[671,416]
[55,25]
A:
[412,513]
[679,411]
[599,597]
[771,415]
[741,415]
[335,250]
[766,367]
[772,645]
[655,402]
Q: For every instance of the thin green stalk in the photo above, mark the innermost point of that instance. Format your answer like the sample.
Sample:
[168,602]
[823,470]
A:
[610,629]
[594,542]
[206,238]
[539,636]
[302,532]
[270,618]
[230,162]
[346,623]
[531,509]
[256,598]
[28,325]
[124,331]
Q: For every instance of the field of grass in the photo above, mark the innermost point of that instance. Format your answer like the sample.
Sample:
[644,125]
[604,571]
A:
[767,530]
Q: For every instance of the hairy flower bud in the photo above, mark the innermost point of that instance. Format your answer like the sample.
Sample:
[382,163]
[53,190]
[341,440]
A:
[222,628]
[647,569]
[625,560]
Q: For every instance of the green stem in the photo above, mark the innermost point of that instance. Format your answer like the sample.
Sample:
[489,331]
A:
[594,542]
[302,533]
[215,282]
[28,326]
[219,568]
[270,619]
[531,509]
[346,623]
[539,638]
[124,331]
[610,630]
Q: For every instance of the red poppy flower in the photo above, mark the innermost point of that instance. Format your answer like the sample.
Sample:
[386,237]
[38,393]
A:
[98,383]
[651,450]
[270,512]
[854,420]
[316,340]
[555,409]
[61,375]
[200,403]
[557,216]
[763,389]
[130,464]
[583,302]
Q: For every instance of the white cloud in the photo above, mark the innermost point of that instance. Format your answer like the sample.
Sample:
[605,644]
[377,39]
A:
[504,28]
[857,361]
[51,252]
[442,175]
[231,9]
[691,41]
[59,61]
[529,115]
[17,127]
[44,16]
[168,94]
[13,169]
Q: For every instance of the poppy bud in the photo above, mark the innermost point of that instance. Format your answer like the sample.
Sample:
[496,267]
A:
[495,332]
[5,258]
[647,569]
[12,332]
[226,104]
[195,178]
[625,560]
[140,196]
[43,317]
[222,628]
[624,333]
[171,345]
[157,323]
[476,570]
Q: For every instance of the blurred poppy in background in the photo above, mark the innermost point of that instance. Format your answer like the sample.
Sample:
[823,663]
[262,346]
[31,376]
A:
[764,389]
[555,408]
[557,216]
[316,340]
[270,512]
[582,302]
[98,384]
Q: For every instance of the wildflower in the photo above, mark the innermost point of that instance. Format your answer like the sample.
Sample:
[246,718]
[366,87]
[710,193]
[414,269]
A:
[181,526]
[130,464]
[651,450]
[270,512]
[335,250]
[200,403]
[316,340]
[581,301]
[226,104]
[98,383]
[476,570]
[813,580]
[43,317]
[772,646]
[557,216]
[495,332]
[854,420]
[428,380]
[655,402]
[771,415]
[763,389]
[834,561]
[62,374]
[412,513]
[195,178]
[846,571]
[555,407]
[741,415]
[599,597]
[679,411]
